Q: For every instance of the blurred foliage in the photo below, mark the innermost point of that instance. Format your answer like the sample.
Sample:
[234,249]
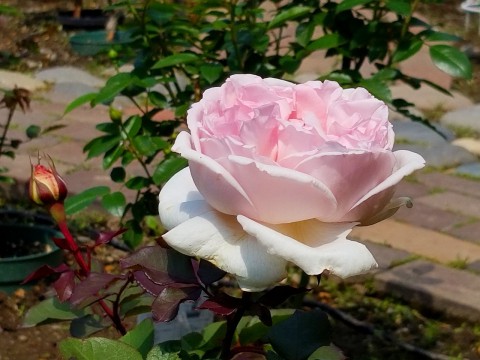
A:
[182,48]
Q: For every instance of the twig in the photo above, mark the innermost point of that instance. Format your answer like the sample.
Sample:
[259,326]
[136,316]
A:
[368,328]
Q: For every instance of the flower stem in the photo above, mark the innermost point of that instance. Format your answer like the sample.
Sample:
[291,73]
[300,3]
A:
[232,323]
[58,213]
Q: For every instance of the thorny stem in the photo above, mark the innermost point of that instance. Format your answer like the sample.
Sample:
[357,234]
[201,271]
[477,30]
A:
[232,322]
[58,213]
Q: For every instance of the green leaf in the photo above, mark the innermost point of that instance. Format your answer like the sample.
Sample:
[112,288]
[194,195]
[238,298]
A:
[97,348]
[112,155]
[211,72]
[113,87]
[451,60]
[79,102]
[168,350]
[377,88]
[326,42]
[80,201]
[340,77]
[288,15]
[137,183]
[48,310]
[311,328]
[114,203]
[33,131]
[176,59]
[349,4]
[406,50]
[212,335]
[289,64]
[251,329]
[140,337]
[87,325]
[148,145]
[327,353]
[401,7]
[118,174]
[101,145]
[432,35]
[167,168]
[157,99]
[304,33]
[386,74]
[132,126]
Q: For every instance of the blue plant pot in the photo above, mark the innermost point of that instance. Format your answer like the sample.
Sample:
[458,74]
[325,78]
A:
[90,43]
[15,268]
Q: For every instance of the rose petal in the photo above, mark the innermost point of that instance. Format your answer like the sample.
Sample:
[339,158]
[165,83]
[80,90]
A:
[213,181]
[279,195]
[348,174]
[377,198]
[220,239]
[389,210]
[330,251]
[180,200]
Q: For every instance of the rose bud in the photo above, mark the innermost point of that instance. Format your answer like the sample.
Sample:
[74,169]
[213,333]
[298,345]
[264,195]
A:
[46,186]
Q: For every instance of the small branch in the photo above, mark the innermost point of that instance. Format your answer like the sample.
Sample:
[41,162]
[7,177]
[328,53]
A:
[369,329]
[5,129]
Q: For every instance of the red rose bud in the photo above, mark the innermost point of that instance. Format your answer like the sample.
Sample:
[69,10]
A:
[46,186]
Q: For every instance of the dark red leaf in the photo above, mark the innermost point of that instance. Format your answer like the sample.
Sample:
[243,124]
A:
[92,285]
[221,304]
[107,236]
[216,308]
[64,285]
[146,284]
[279,294]
[209,273]
[156,260]
[165,306]
[45,271]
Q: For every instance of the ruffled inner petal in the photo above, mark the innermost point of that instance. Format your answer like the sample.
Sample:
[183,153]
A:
[331,250]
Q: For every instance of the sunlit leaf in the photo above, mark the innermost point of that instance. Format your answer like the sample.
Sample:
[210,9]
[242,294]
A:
[288,15]
[451,60]
[95,348]
[80,201]
[176,59]
[114,203]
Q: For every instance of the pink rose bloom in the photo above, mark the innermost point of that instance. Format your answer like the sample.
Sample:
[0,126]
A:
[281,173]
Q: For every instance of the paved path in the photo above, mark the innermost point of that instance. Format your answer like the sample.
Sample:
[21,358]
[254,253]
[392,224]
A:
[419,250]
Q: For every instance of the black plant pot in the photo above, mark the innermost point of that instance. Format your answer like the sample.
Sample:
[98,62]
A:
[90,19]
[24,247]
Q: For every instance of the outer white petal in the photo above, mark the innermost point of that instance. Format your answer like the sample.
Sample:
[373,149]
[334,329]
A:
[180,200]
[221,240]
[331,250]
